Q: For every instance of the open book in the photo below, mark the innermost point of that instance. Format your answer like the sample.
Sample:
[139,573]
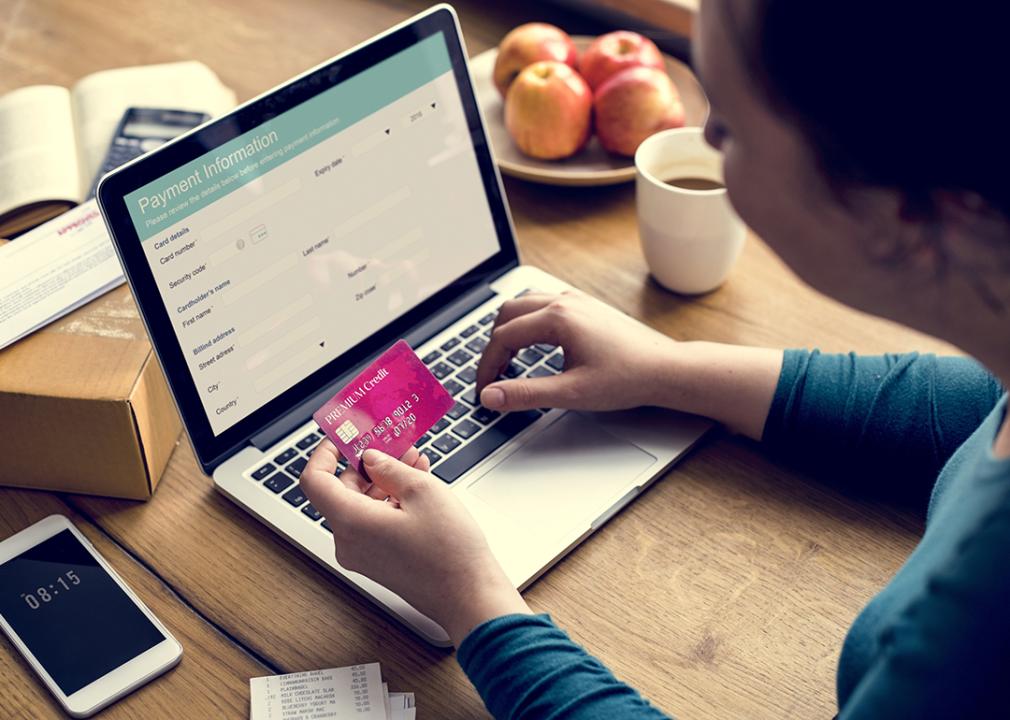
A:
[53,140]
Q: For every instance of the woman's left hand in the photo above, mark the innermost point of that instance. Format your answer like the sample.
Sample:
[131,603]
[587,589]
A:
[421,543]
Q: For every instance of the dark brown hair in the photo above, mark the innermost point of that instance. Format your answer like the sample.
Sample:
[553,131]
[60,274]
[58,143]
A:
[900,94]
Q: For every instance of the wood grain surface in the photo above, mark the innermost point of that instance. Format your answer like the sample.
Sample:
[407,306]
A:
[722,592]
[210,681]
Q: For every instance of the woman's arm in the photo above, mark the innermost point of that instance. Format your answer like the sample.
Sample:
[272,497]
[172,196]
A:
[613,362]
[426,548]
[886,424]
[890,421]
[523,666]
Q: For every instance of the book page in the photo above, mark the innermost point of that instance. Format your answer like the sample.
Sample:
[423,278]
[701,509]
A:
[100,99]
[38,154]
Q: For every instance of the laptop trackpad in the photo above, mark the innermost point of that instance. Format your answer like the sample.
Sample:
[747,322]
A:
[571,472]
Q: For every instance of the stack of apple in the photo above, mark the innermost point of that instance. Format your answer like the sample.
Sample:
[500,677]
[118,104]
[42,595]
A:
[553,97]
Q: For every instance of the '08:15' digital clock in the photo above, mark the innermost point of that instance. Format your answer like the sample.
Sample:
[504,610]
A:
[42,595]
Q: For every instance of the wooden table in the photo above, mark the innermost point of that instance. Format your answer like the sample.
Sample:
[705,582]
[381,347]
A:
[723,592]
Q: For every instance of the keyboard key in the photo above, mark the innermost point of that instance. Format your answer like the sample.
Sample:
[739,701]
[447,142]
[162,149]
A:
[311,513]
[466,429]
[309,441]
[488,319]
[484,444]
[485,416]
[278,483]
[530,356]
[438,427]
[433,457]
[441,370]
[295,497]
[321,434]
[422,440]
[487,333]
[450,344]
[460,357]
[557,361]
[477,345]
[296,467]
[467,375]
[467,332]
[326,527]
[262,472]
[286,456]
[457,411]
[431,357]
[452,387]
[539,372]
[514,370]
[546,348]
[470,396]
[446,444]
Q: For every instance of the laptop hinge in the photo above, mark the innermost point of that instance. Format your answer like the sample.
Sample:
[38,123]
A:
[418,335]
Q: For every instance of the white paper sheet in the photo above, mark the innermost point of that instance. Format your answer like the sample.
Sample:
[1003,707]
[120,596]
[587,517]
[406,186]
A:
[331,694]
[53,269]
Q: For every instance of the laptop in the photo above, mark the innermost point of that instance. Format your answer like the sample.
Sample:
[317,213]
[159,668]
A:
[275,251]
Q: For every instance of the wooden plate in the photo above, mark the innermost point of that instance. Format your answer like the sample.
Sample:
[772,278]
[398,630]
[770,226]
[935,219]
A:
[590,166]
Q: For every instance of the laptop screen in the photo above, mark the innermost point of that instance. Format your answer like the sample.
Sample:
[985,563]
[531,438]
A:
[280,249]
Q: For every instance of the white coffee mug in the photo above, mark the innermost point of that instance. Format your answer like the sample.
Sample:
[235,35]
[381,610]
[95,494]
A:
[690,238]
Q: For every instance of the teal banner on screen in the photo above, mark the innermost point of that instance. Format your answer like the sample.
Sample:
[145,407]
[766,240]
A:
[197,184]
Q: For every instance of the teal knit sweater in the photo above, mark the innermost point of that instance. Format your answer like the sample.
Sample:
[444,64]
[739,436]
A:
[935,642]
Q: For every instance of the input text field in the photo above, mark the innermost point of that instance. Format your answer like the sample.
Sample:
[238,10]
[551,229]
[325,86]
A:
[285,340]
[371,213]
[252,208]
[254,283]
[272,322]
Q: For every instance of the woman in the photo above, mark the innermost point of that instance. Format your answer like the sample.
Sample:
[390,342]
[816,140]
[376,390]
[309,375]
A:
[863,141]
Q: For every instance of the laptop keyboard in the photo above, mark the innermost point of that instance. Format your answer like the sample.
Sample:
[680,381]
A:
[467,433]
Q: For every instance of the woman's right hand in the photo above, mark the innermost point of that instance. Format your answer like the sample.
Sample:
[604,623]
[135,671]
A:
[612,362]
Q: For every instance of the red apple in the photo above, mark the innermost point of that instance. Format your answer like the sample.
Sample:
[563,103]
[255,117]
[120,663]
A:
[528,44]
[548,110]
[633,105]
[611,53]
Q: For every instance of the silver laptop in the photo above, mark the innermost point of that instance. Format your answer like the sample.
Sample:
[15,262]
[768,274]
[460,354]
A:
[277,250]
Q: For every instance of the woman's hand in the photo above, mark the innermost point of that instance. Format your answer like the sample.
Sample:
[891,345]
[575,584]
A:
[421,543]
[612,362]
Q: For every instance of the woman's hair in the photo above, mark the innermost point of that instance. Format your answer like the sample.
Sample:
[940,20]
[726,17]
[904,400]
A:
[903,94]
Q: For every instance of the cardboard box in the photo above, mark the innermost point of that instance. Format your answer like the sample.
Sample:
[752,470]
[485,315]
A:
[84,407]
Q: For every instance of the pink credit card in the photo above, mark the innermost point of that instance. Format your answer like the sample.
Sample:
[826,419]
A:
[392,403]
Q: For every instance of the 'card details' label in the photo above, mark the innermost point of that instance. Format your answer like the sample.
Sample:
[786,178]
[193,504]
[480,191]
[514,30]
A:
[392,403]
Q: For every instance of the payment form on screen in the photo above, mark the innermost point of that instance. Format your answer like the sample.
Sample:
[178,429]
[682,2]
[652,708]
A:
[284,247]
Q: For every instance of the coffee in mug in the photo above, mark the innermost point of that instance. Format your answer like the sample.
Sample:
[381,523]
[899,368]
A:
[690,234]
[695,183]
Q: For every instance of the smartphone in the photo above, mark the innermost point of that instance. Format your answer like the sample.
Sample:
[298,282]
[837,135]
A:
[141,130]
[82,630]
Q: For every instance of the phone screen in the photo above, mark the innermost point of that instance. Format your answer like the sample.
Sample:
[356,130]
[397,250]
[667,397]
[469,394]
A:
[75,619]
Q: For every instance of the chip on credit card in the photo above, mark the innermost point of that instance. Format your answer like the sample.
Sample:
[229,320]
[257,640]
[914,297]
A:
[388,406]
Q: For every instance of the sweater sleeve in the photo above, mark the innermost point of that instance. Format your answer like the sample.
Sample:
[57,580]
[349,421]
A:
[882,424]
[523,666]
